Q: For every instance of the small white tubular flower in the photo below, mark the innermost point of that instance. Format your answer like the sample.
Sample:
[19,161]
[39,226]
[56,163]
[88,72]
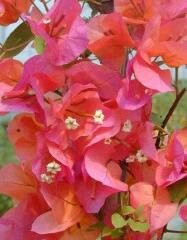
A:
[46,20]
[107,141]
[141,156]
[127,126]
[47,178]
[53,167]
[71,123]
[130,159]
[99,117]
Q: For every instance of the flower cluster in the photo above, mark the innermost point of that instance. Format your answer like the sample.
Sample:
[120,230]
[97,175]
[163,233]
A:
[89,153]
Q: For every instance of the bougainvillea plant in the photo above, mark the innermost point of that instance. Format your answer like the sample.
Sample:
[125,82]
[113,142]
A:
[93,164]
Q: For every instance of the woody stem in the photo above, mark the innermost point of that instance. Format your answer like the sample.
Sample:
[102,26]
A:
[45,5]
[174,231]
[169,114]
[34,4]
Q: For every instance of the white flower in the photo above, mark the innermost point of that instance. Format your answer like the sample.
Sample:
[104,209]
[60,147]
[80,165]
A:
[98,117]
[47,178]
[53,167]
[131,159]
[71,123]
[107,141]
[141,156]
[127,126]
[46,20]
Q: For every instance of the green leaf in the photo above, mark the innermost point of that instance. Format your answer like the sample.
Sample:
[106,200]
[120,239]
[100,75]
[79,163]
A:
[127,210]
[116,233]
[105,233]
[98,225]
[178,190]
[17,41]
[39,44]
[138,226]
[118,221]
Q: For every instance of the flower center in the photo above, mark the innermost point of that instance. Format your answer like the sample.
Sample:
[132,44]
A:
[71,123]
[53,167]
[98,117]
[127,126]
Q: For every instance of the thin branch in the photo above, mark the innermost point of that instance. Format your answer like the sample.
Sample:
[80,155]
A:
[93,1]
[45,5]
[173,107]
[124,64]
[22,18]
[34,4]
[175,231]
[83,4]
[164,231]
[169,114]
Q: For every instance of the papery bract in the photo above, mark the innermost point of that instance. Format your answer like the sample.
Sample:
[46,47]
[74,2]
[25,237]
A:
[63,30]
[171,162]
[10,10]
[16,183]
[65,210]
[155,206]
[89,148]
[108,38]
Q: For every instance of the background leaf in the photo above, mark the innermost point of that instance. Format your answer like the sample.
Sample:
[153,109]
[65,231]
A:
[178,190]
[17,41]
[39,44]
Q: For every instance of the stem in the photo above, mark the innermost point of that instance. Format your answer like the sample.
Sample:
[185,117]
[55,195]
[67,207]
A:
[124,64]
[94,2]
[156,58]
[22,18]
[173,107]
[175,231]
[45,5]
[34,4]
[83,4]
[123,165]
[168,116]
[164,231]
[125,170]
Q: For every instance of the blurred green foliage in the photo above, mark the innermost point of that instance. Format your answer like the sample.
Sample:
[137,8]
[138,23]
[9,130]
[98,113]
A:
[161,105]
[7,155]
[5,204]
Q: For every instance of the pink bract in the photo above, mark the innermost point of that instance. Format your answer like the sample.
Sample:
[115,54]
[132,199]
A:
[94,159]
